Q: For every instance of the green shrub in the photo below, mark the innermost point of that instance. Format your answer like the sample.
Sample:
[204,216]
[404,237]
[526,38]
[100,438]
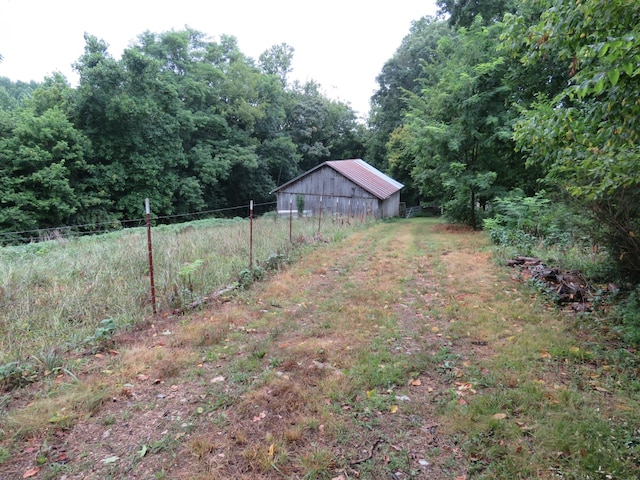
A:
[628,313]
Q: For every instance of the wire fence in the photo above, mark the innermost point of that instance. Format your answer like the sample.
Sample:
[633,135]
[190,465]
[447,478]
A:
[58,292]
[107,226]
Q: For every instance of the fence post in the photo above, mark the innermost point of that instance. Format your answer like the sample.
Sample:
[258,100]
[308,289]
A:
[290,217]
[320,214]
[251,234]
[147,210]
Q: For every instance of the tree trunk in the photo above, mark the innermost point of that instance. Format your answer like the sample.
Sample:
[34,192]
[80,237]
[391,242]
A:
[473,209]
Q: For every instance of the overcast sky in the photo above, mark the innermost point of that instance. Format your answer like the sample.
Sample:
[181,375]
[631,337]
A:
[342,44]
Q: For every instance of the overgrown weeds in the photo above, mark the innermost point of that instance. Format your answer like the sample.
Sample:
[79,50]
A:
[78,293]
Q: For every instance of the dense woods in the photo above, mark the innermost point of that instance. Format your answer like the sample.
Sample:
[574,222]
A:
[191,123]
[509,101]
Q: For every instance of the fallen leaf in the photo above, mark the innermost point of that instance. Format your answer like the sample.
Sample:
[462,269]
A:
[32,472]
[143,378]
[143,451]
[544,354]
[499,416]
[415,383]
[464,386]
[462,401]
[602,389]
[257,418]
[435,329]
[62,458]
[112,459]
[218,379]
[57,418]
[272,450]
[393,409]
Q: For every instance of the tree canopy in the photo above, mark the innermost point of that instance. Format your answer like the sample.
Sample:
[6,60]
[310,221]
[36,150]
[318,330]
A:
[191,123]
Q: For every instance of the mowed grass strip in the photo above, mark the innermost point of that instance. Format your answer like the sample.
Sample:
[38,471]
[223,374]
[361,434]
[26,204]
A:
[553,397]
[400,351]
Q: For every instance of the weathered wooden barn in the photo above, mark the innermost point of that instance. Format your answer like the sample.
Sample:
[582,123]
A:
[342,187]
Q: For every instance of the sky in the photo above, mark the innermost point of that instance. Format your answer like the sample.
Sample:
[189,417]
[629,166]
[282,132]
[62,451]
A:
[341,44]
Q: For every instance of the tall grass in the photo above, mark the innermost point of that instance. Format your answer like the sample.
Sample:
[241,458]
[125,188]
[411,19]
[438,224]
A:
[55,294]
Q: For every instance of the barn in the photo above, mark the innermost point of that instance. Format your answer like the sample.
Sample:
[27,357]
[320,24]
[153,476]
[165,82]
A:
[342,187]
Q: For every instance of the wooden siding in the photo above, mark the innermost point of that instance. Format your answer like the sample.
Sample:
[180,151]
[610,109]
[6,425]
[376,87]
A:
[339,196]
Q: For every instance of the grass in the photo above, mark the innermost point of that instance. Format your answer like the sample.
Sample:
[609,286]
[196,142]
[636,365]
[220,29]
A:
[401,350]
[54,295]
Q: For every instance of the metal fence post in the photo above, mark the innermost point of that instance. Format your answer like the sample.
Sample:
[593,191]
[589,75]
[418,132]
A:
[290,218]
[150,250]
[251,234]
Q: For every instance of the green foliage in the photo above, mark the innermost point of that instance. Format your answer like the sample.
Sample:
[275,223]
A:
[43,169]
[16,374]
[585,137]
[187,122]
[628,314]
[103,333]
[463,12]
[459,126]
[300,204]
[523,221]
[275,261]
[4,455]
[248,276]
[399,76]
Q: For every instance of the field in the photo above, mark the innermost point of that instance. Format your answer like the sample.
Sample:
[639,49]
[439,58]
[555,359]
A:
[62,294]
[397,350]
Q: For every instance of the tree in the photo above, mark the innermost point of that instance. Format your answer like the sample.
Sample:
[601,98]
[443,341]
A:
[587,136]
[188,122]
[323,129]
[42,166]
[462,13]
[277,62]
[405,73]
[459,126]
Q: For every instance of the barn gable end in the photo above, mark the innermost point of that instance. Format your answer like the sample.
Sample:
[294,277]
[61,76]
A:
[344,187]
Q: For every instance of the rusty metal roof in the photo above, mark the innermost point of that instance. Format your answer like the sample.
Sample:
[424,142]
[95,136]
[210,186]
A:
[362,174]
[366,176]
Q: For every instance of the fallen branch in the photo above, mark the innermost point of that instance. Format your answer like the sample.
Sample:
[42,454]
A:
[370,455]
[205,300]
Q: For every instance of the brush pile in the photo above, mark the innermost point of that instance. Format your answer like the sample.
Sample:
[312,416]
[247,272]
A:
[567,288]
